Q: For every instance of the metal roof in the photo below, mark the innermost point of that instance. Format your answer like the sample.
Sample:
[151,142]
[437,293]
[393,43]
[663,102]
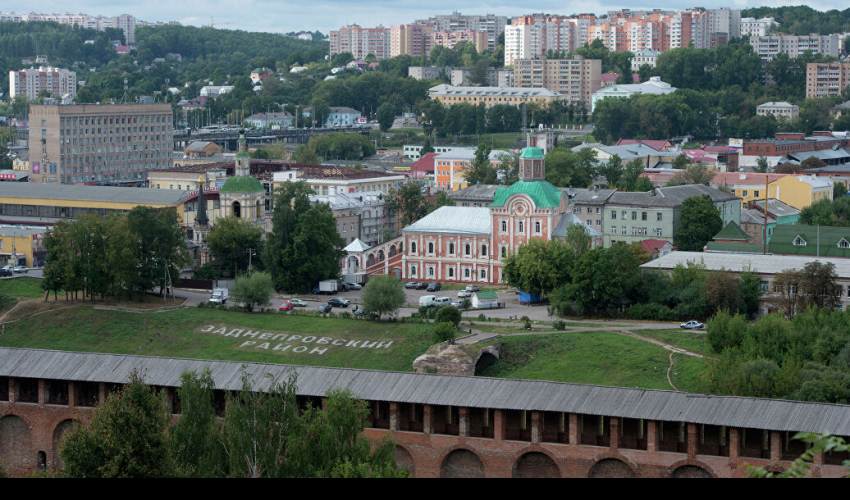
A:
[449,390]
[107,194]
[454,220]
[764,264]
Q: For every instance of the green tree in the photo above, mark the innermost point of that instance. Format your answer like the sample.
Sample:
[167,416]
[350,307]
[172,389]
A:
[700,222]
[443,332]
[540,266]
[426,147]
[230,240]
[481,170]
[408,201]
[762,167]
[567,169]
[603,278]
[386,116]
[383,295]
[442,200]
[253,290]
[578,239]
[811,163]
[612,170]
[800,467]
[127,437]
[159,246]
[193,440]
[839,190]
[448,314]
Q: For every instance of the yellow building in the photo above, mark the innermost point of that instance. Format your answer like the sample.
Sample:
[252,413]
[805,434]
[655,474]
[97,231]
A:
[490,96]
[44,204]
[800,191]
[22,246]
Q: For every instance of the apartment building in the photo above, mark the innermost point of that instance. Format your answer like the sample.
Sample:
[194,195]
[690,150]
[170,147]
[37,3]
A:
[450,165]
[94,143]
[768,47]
[495,77]
[360,42]
[779,110]
[575,79]
[449,39]
[491,24]
[532,37]
[449,94]
[411,39]
[124,22]
[757,27]
[29,82]
[646,56]
[825,79]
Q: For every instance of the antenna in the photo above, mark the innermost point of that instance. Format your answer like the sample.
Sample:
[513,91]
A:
[126,96]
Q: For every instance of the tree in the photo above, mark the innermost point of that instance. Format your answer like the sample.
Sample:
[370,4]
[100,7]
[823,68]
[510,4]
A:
[567,169]
[426,147]
[127,437]
[408,201]
[612,170]
[800,467]
[448,314]
[481,170]
[839,190]
[603,278]
[762,167]
[383,295]
[578,239]
[193,441]
[539,266]
[693,174]
[386,116]
[442,200]
[723,292]
[443,332]
[230,240]
[159,246]
[253,290]
[811,163]
[700,222]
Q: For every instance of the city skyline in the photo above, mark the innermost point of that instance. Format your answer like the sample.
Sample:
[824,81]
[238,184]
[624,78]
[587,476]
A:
[326,15]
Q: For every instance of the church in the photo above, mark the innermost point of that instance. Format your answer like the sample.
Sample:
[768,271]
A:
[469,244]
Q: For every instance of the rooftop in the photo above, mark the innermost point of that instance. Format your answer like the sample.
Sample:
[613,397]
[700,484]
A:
[765,264]
[672,196]
[543,194]
[446,390]
[313,172]
[780,104]
[454,220]
[63,192]
[445,89]
[743,178]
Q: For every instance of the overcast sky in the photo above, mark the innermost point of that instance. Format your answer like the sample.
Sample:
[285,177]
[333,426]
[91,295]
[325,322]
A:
[325,15]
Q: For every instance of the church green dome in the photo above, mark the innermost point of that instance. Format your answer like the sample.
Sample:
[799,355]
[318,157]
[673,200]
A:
[532,152]
[542,193]
[242,184]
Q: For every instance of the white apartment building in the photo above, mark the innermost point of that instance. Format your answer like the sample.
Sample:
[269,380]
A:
[768,47]
[491,24]
[30,82]
[757,27]
[124,22]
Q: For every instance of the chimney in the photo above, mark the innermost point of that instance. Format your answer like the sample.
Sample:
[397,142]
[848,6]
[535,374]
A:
[652,191]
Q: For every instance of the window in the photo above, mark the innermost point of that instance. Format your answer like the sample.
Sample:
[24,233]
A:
[799,241]
[843,243]
[504,252]
[536,227]
[451,272]
[484,274]
[467,250]
[658,232]
[614,215]
[413,248]
[521,227]
[745,193]
[504,226]
[614,230]
[413,271]
[756,194]
[643,216]
[451,248]
[484,250]
[634,231]
[634,215]
[430,248]
[623,231]
[577,210]
[430,272]
[658,217]
[466,273]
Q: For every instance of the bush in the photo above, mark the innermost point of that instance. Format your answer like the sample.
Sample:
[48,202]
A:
[527,325]
[253,290]
[443,332]
[345,315]
[448,314]
[481,317]
[559,325]
[656,312]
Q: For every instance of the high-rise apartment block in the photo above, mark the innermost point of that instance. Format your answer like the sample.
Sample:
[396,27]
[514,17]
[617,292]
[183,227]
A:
[768,47]
[574,79]
[826,79]
[449,39]
[93,143]
[124,22]
[411,39]
[491,24]
[751,26]
[360,42]
[29,82]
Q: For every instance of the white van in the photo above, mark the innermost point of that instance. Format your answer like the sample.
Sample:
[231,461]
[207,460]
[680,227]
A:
[442,301]
[427,300]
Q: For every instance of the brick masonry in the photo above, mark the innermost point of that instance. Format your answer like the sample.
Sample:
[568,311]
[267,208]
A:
[465,442]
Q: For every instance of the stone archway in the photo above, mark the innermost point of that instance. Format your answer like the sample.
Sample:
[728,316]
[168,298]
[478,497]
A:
[59,434]
[237,209]
[462,464]
[536,465]
[370,260]
[392,251]
[611,468]
[404,460]
[691,472]
[16,445]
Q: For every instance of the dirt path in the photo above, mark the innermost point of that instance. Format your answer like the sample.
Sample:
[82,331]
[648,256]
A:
[670,369]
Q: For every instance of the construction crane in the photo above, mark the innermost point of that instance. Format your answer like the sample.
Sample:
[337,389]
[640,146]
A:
[212,23]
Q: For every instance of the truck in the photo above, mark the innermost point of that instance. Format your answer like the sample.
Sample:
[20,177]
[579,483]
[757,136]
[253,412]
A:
[219,296]
[359,278]
[328,287]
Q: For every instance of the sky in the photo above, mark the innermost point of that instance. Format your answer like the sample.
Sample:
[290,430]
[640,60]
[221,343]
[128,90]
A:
[283,16]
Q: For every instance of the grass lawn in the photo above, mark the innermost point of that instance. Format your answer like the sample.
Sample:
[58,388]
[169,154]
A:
[21,287]
[600,358]
[199,333]
[686,373]
[685,339]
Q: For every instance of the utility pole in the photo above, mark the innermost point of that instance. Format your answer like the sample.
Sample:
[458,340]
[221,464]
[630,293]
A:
[251,253]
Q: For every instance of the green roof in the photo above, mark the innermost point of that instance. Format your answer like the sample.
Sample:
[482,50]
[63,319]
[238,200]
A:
[782,241]
[732,231]
[242,184]
[541,193]
[486,295]
[532,152]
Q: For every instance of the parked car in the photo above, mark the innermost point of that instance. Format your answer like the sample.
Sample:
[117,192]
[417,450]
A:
[338,302]
[471,288]
[297,302]
[6,272]
[464,294]
[286,306]
[427,300]
[457,303]
[20,269]
[353,286]
[411,285]
[9,267]
[442,301]
[421,286]
[434,287]
[324,308]
[359,311]
[692,325]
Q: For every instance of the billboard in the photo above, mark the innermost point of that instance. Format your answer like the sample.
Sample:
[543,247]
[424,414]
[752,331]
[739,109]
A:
[361,119]
[736,143]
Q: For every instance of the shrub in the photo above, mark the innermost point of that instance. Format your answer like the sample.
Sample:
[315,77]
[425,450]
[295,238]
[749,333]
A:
[448,314]
[443,332]
[559,325]
[481,317]
[345,315]
[527,325]
[653,311]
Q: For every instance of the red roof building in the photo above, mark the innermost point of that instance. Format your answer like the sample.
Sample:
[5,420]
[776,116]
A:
[659,145]
[423,166]
[657,248]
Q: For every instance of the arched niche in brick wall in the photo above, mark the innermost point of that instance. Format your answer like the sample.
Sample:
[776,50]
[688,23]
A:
[611,468]
[691,471]
[536,465]
[462,463]
[59,434]
[16,455]
[404,460]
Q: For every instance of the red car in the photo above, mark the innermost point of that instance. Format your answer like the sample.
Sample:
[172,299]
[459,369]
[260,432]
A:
[286,306]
